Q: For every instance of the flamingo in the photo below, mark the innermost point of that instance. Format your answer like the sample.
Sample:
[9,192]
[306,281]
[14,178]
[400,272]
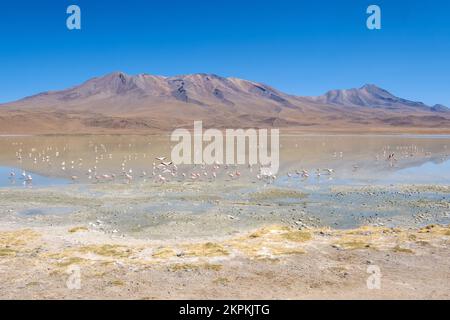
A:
[129,178]
[29,179]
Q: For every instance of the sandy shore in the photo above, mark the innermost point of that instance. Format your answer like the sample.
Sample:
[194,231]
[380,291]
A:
[269,263]
[194,241]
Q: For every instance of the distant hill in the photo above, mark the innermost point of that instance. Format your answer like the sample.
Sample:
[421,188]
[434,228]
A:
[118,102]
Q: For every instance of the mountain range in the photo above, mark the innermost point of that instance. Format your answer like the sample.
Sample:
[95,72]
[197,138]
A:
[144,103]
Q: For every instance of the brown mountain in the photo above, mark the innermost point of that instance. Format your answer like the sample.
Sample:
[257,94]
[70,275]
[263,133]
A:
[119,102]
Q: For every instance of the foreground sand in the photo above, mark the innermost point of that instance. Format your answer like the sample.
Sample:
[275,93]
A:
[273,262]
[194,241]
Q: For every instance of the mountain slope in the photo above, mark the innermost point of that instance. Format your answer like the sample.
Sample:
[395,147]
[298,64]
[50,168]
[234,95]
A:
[199,89]
[371,96]
[118,101]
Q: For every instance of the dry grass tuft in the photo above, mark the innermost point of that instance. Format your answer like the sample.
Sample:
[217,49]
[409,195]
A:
[208,249]
[78,229]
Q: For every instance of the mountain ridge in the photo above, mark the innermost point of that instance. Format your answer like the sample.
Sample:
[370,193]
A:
[143,101]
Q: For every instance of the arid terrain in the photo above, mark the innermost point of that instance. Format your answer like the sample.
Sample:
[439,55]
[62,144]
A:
[235,150]
[97,221]
[120,103]
[273,262]
[273,247]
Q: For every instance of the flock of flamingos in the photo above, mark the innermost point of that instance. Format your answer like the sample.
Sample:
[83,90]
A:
[163,170]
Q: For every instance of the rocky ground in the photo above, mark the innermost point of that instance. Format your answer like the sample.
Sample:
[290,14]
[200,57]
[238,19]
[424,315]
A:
[270,263]
[196,242]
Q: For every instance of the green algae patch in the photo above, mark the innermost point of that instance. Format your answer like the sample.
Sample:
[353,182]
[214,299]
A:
[208,249]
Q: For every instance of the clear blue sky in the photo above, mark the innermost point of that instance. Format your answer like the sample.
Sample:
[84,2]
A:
[301,47]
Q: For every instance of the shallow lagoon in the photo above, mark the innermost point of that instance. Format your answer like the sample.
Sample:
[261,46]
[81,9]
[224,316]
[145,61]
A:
[364,189]
[53,160]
